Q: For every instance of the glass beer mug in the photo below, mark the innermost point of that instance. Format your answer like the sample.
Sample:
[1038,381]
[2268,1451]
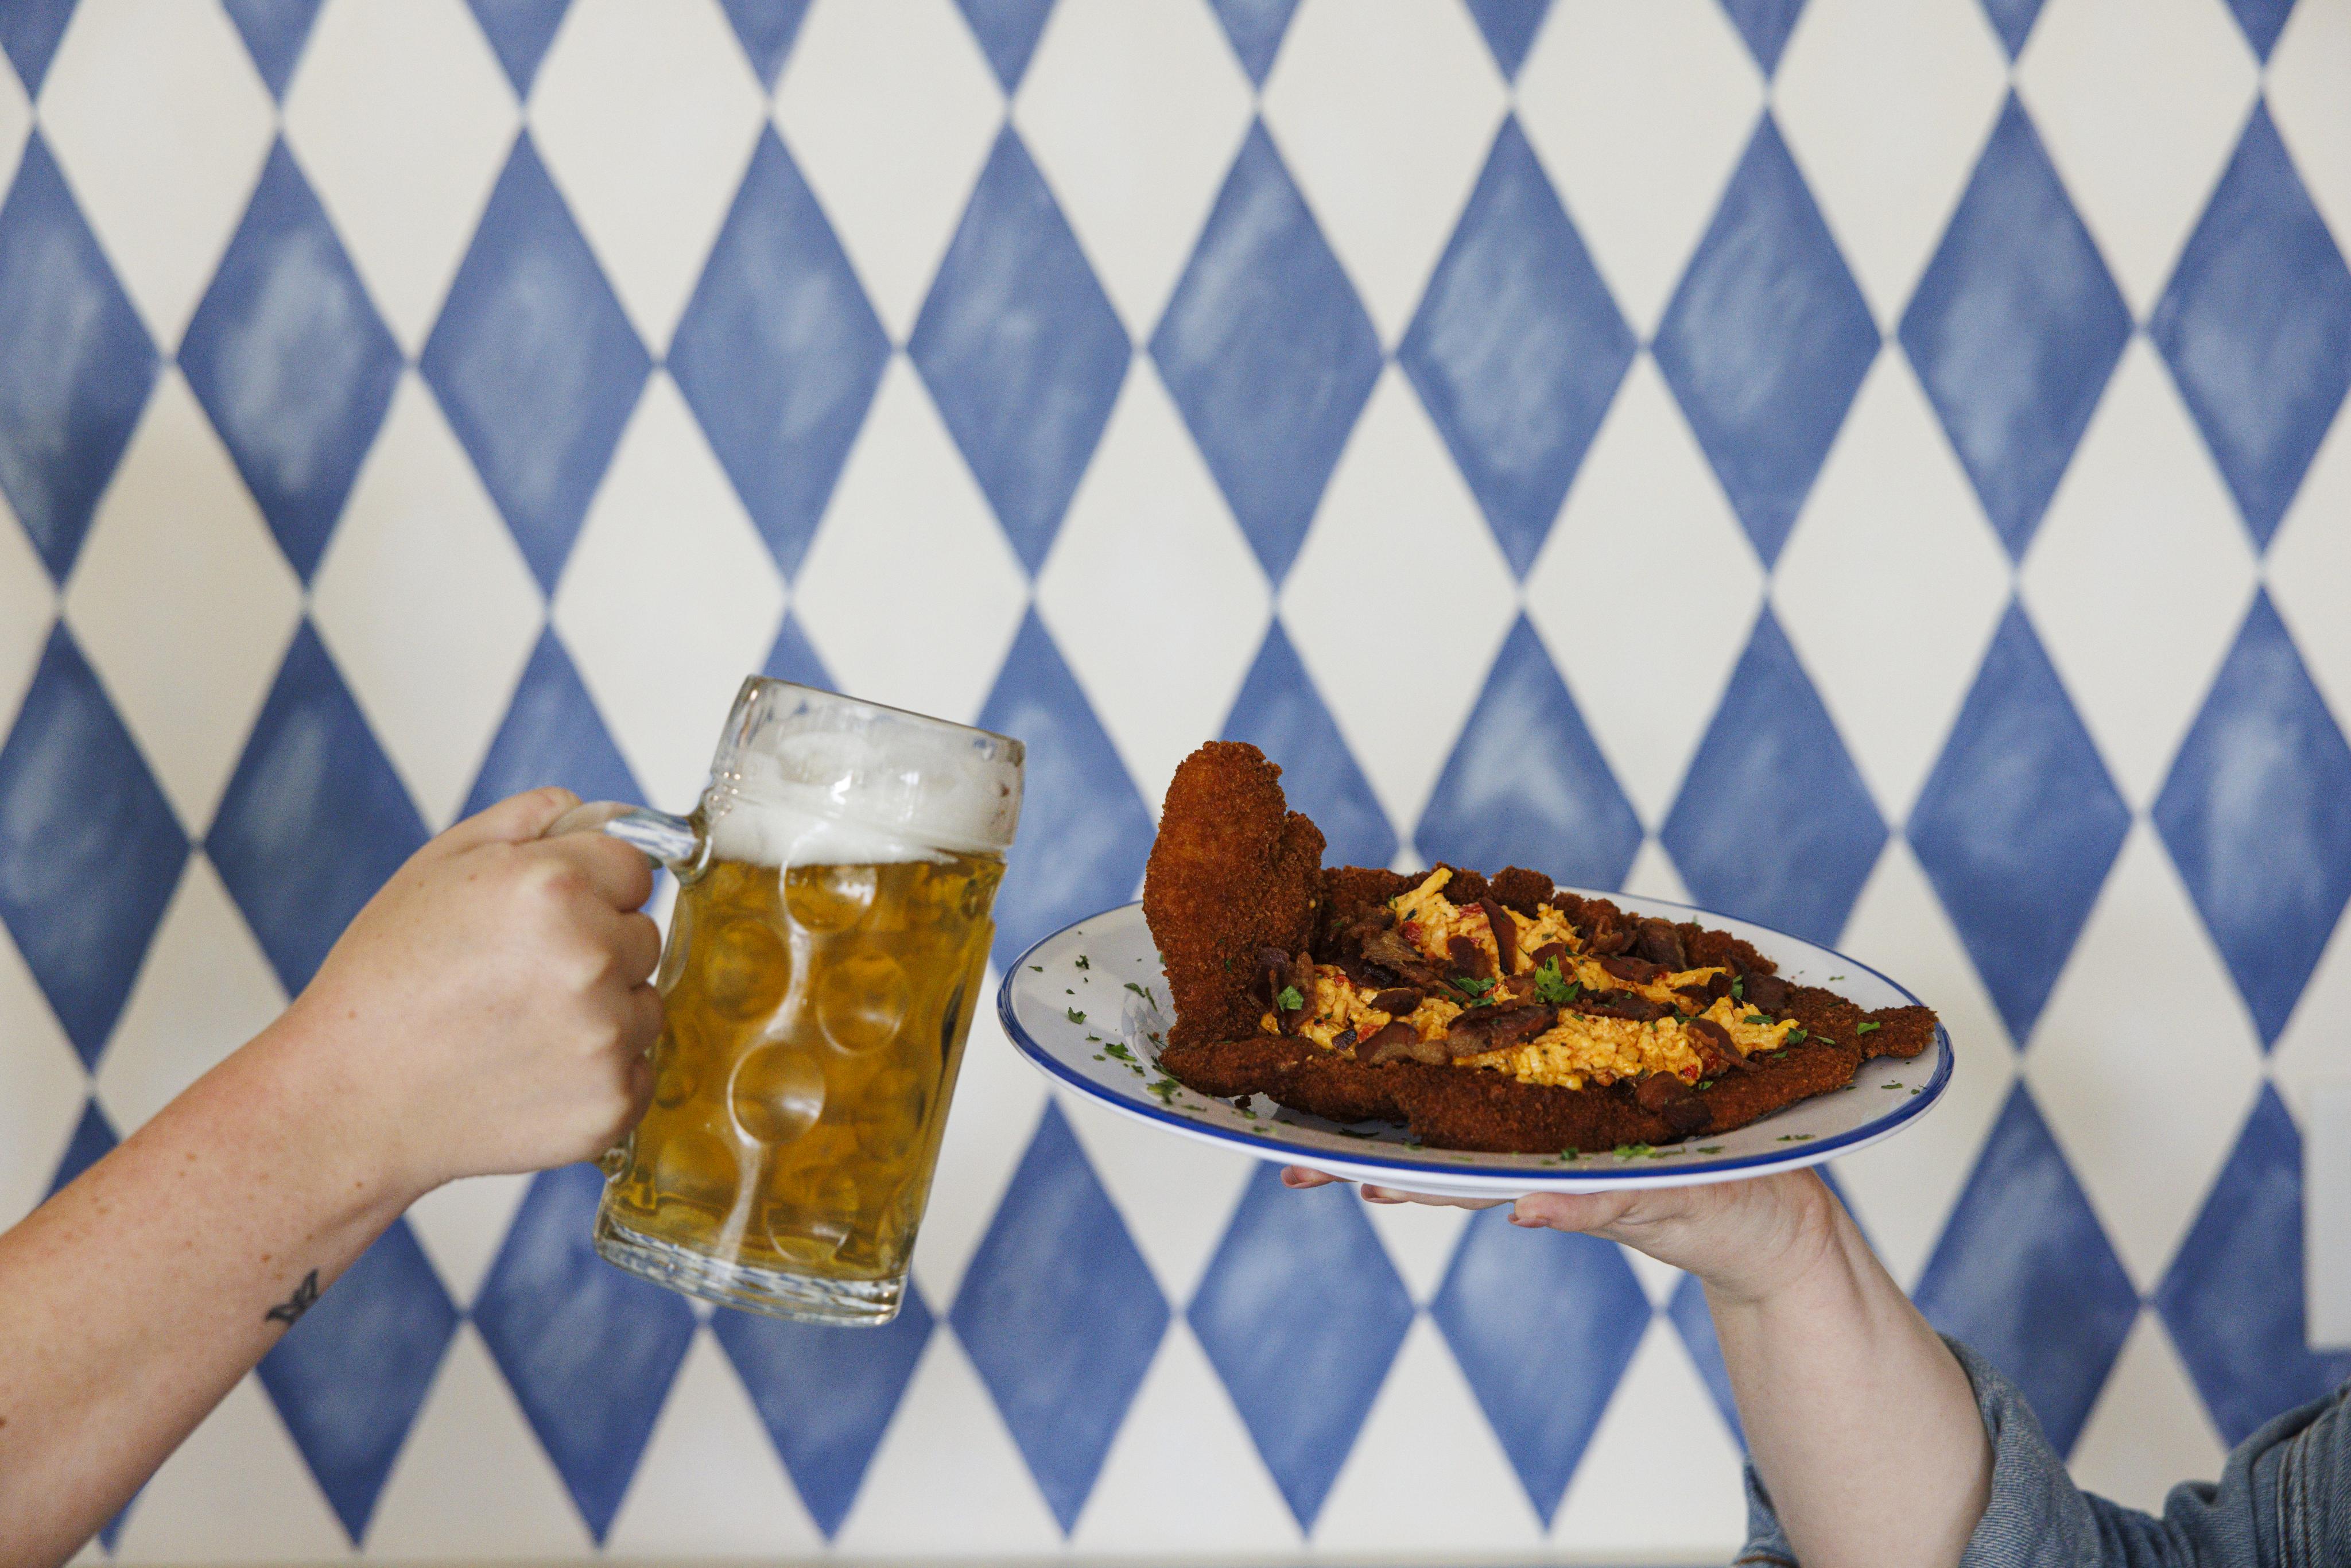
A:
[824,963]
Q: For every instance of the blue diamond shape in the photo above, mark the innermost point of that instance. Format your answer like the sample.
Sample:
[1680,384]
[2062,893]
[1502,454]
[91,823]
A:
[93,1139]
[1008,31]
[2023,1274]
[314,819]
[2018,824]
[1267,353]
[1253,28]
[1510,26]
[589,1350]
[2015,329]
[1526,785]
[291,362]
[2012,20]
[1774,823]
[274,33]
[75,363]
[2262,21]
[2257,816]
[1765,24]
[90,851]
[552,733]
[2256,327]
[1074,788]
[794,658]
[765,29]
[825,1396]
[778,352]
[1279,713]
[1544,1325]
[1516,348]
[2232,1298]
[348,1379]
[1061,1315]
[1020,349]
[519,32]
[1691,1319]
[1300,1313]
[1766,341]
[29,33]
[534,363]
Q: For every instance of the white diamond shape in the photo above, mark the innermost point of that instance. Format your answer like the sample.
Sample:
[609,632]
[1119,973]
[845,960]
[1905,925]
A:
[204,990]
[1176,1194]
[16,124]
[426,605]
[2309,568]
[1640,113]
[647,116]
[1134,109]
[946,1480]
[46,1088]
[181,600]
[1653,875]
[909,593]
[669,597]
[1644,526]
[237,1491]
[998,1099]
[461,1225]
[2140,575]
[1183,1423]
[709,1484]
[2308,67]
[1902,1190]
[2144,1062]
[402,118]
[1886,108]
[161,124]
[2308,1053]
[1151,593]
[1384,110]
[1426,1476]
[888,111]
[2139,102]
[28,604]
[1891,584]
[1661,1475]
[1397,526]
[2149,1430]
[472,1481]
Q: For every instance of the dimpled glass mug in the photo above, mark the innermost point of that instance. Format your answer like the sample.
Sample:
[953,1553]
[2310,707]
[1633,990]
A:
[823,963]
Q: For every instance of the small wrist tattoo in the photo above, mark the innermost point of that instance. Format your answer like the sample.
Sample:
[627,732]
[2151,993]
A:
[289,1311]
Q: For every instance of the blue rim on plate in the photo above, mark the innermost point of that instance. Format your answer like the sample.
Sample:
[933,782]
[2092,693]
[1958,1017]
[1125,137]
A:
[1300,1140]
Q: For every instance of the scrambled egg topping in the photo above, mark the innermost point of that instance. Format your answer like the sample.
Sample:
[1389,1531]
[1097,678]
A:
[1579,1048]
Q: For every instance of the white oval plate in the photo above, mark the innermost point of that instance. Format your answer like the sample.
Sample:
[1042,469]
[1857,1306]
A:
[1089,1004]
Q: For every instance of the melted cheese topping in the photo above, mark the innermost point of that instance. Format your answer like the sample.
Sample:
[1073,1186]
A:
[1576,1050]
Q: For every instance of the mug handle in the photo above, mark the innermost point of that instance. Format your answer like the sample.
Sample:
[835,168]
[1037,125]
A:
[676,842]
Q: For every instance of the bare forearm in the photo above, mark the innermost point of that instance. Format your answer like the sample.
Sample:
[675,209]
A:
[139,1295]
[1861,1425]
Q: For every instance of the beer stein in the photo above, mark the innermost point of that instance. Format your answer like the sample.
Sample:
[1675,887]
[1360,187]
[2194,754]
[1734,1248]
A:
[824,960]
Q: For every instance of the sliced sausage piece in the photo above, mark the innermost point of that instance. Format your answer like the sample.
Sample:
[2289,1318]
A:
[1632,971]
[1505,934]
[1764,993]
[1619,1004]
[1660,942]
[1715,1052]
[1398,1042]
[1483,1030]
[1397,1001]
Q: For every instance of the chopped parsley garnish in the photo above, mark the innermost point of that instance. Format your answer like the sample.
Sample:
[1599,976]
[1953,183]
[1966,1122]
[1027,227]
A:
[1710,1148]
[1100,1057]
[1630,1151]
[1554,987]
[1738,988]
[1571,1155]
[1703,1083]
[1075,1016]
[1795,1137]
[1756,1017]
[1832,978]
[1865,1028]
[1288,999]
[1143,991]
[1796,1035]
[1165,1090]
[1475,990]
[1120,1052]
[1036,969]
[1081,961]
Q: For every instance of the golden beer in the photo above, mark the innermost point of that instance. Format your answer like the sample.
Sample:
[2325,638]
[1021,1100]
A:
[815,1020]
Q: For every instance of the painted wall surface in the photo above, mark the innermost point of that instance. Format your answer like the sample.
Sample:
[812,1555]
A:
[1877,469]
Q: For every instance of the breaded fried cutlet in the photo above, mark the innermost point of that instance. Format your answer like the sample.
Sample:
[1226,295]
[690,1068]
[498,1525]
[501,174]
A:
[1492,1013]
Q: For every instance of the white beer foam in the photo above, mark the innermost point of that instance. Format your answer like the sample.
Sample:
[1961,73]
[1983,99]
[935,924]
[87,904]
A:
[830,797]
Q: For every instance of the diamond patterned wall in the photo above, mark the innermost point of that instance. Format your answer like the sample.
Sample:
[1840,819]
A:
[1877,469]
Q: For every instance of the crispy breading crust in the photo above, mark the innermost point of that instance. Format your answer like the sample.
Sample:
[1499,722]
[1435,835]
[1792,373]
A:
[1233,870]
[1233,873]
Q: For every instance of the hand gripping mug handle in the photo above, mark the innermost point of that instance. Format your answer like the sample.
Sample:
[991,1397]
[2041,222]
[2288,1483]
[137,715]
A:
[676,842]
